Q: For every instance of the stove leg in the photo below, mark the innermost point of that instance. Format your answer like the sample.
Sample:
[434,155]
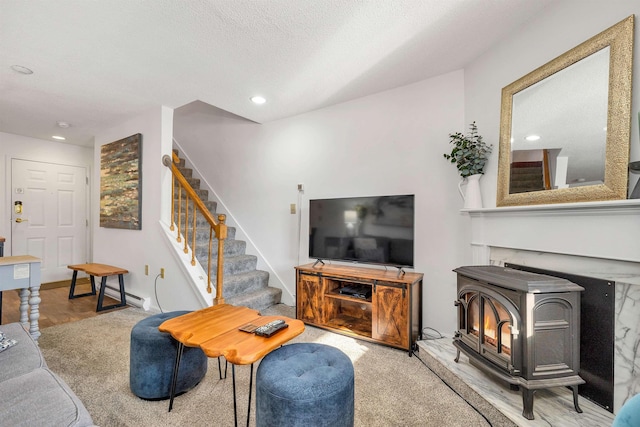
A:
[575,398]
[457,356]
[527,403]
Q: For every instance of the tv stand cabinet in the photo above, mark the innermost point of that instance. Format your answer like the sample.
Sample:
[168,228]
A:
[391,315]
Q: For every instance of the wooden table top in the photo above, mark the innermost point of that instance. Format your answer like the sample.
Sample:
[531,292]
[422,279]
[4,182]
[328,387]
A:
[100,270]
[18,259]
[216,331]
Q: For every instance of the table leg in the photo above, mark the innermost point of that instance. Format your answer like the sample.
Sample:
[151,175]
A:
[235,406]
[72,288]
[34,311]
[226,364]
[250,388]
[24,305]
[103,287]
[174,378]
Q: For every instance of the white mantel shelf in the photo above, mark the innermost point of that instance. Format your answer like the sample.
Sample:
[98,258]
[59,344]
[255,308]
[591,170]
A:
[608,230]
[610,206]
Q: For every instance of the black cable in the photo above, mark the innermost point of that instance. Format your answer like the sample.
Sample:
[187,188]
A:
[426,336]
[449,385]
[155,290]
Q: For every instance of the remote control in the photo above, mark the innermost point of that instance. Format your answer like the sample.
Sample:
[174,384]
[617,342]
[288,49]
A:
[271,328]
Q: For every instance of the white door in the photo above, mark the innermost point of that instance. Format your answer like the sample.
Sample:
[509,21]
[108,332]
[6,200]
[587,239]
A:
[53,222]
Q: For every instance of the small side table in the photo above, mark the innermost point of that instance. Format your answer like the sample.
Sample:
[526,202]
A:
[100,270]
[216,331]
[23,272]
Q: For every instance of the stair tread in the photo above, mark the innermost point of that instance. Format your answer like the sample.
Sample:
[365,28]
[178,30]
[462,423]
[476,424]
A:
[257,300]
[242,276]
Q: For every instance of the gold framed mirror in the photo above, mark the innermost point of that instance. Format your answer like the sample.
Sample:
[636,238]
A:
[565,127]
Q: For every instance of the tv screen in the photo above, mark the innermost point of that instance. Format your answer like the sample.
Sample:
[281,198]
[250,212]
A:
[375,230]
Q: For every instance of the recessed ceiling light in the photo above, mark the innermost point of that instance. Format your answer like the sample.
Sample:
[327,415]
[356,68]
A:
[258,99]
[59,138]
[532,138]
[22,70]
[63,125]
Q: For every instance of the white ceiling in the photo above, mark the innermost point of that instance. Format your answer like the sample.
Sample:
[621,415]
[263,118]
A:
[99,62]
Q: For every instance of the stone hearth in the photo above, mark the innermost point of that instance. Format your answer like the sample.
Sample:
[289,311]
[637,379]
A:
[553,407]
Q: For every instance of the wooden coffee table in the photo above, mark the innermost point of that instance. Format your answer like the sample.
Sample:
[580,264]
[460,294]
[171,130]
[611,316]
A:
[216,331]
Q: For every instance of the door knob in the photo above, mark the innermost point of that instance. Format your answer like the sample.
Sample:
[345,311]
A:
[19,220]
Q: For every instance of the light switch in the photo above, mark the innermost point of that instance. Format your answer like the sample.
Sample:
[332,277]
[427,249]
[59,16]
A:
[293,208]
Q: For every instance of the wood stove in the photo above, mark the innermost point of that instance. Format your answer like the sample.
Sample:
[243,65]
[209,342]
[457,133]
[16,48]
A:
[522,327]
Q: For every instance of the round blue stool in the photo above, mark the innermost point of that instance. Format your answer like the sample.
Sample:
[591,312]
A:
[629,414]
[305,384]
[152,358]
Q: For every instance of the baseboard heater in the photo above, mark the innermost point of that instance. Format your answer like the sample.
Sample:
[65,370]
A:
[144,303]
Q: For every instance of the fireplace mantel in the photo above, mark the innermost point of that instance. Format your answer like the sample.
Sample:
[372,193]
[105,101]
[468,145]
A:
[598,239]
[608,230]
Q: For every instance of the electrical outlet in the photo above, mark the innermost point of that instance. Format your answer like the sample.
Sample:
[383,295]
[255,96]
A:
[300,187]
[292,207]
[162,273]
[146,270]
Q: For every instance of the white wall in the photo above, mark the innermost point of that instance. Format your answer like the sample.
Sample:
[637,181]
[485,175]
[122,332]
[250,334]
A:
[133,249]
[557,29]
[22,147]
[389,143]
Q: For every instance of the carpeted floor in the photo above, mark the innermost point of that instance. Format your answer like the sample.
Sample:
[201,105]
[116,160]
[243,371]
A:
[392,389]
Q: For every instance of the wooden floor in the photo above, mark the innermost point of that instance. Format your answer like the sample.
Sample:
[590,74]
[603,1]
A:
[56,307]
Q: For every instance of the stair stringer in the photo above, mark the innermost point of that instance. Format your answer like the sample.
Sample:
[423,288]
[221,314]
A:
[288,295]
[194,273]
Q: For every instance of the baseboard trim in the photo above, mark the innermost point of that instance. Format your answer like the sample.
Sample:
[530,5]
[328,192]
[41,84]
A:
[64,283]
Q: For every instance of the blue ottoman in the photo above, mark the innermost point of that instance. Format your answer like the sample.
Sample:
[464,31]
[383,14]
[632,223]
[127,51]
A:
[152,358]
[305,384]
[629,414]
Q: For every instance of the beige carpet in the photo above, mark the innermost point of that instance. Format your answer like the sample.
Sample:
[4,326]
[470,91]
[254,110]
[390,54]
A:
[391,389]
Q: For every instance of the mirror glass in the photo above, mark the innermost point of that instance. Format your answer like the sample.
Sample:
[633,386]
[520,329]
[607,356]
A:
[564,132]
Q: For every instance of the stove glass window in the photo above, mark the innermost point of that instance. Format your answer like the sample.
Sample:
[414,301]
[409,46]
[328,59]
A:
[496,331]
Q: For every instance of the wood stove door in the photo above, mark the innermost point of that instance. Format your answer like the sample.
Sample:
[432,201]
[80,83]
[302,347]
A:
[496,328]
[490,324]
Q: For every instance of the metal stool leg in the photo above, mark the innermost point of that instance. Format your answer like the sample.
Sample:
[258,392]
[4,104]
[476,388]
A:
[103,285]
[72,289]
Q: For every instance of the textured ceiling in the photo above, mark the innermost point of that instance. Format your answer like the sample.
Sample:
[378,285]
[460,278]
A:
[99,62]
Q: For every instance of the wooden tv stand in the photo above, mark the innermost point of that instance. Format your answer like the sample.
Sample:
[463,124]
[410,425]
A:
[391,315]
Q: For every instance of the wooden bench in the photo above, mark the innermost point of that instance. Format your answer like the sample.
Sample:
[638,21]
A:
[99,270]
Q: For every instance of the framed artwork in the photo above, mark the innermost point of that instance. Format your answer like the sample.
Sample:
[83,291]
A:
[121,183]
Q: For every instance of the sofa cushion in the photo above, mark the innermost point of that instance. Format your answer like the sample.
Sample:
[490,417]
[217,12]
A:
[40,398]
[21,358]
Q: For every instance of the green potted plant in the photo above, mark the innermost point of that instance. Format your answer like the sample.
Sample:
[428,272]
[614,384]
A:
[469,152]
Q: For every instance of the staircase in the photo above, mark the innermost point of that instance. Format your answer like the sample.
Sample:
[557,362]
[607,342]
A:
[244,285]
[525,177]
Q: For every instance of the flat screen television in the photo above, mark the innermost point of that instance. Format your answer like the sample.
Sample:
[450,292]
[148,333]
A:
[373,230]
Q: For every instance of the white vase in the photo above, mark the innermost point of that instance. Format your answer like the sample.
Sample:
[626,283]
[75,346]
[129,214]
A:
[471,195]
